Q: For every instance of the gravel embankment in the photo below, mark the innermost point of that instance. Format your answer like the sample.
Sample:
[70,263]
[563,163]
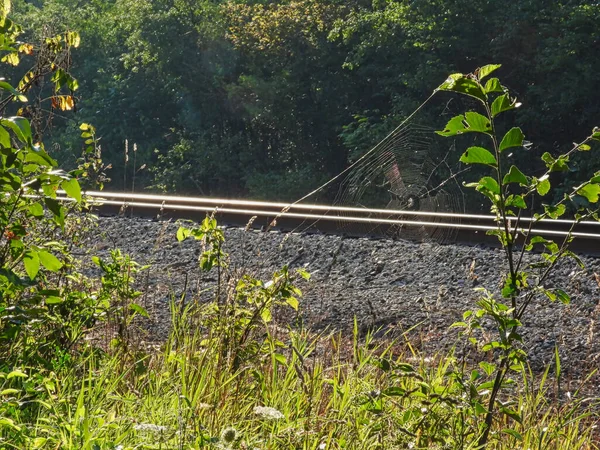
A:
[391,283]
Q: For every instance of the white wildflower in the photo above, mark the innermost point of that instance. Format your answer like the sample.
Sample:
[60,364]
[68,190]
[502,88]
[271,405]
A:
[150,427]
[268,413]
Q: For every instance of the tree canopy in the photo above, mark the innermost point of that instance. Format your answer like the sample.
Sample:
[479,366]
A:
[268,99]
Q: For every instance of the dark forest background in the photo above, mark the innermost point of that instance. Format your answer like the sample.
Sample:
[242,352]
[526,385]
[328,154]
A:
[269,99]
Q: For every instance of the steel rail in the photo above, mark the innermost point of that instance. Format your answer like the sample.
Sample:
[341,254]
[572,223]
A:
[147,199]
[363,220]
[466,229]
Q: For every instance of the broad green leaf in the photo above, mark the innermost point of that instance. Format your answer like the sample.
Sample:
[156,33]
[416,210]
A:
[7,87]
[584,148]
[514,175]
[183,233]
[556,165]
[31,261]
[53,300]
[477,122]
[478,155]
[493,85]
[49,261]
[490,184]
[596,134]
[20,127]
[513,138]
[517,201]
[554,212]
[487,70]
[469,123]
[543,186]
[503,103]
[293,302]
[458,82]
[4,138]
[72,188]
[36,210]
[590,192]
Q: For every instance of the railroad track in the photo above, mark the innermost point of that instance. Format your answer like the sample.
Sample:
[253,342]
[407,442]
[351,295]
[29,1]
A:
[419,225]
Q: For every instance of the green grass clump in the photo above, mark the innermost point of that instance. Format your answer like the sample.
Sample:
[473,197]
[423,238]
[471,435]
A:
[297,391]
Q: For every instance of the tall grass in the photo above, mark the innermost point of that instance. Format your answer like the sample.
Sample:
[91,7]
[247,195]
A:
[301,391]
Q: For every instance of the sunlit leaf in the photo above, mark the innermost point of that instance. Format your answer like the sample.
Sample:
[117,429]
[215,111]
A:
[72,188]
[460,83]
[513,138]
[503,103]
[49,261]
[478,155]
[590,192]
[543,187]
[487,70]
[31,261]
[514,175]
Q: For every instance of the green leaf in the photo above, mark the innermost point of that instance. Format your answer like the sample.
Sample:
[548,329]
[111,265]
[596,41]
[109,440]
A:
[478,155]
[563,296]
[36,210]
[460,83]
[477,122]
[596,134]
[4,138]
[513,138]
[72,188]
[293,302]
[517,201]
[137,309]
[5,422]
[554,212]
[584,148]
[514,175]
[543,187]
[9,392]
[590,192]
[489,184]
[20,127]
[31,261]
[513,433]
[49,261]
[183,233]
[493,85]
[7,87]
[16,374]
[53,300]
[503,103]
[487,70]
[556,165]
[471,122]
[512,414]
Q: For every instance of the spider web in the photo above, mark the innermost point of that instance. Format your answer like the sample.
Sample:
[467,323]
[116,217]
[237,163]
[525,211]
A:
[412,170]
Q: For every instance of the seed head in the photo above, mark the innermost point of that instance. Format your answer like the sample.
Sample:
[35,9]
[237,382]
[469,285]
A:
[229,435]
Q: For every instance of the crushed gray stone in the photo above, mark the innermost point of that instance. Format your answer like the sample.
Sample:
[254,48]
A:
[418,289]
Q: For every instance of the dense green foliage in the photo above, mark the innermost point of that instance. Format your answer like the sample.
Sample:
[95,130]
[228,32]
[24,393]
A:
[510,192]
[270,98]
[227,377]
